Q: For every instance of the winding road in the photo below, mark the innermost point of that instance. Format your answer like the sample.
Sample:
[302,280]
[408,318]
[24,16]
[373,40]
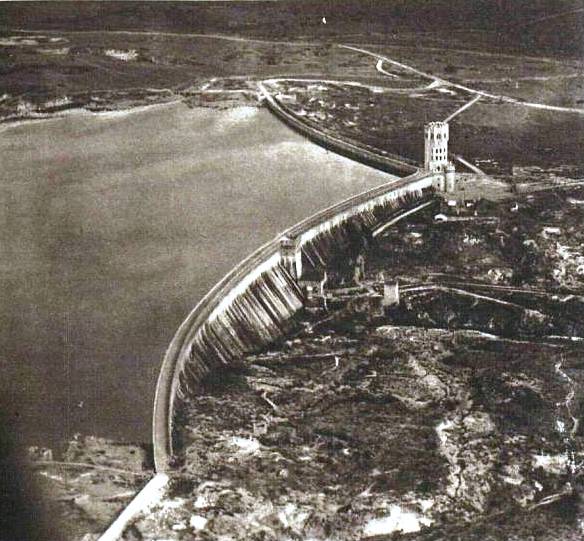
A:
[445,82]
[437,81]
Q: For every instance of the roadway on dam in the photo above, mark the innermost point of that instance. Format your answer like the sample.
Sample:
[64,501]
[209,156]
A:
[114,227]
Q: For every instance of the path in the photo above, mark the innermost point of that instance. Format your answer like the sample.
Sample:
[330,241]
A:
[293,42]
[471,166]
[400,217]
[549,18]
[168,34]
[464,108]
[323,81]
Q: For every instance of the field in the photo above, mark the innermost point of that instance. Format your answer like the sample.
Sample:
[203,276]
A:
[44,73]
[508,25]
[388,113]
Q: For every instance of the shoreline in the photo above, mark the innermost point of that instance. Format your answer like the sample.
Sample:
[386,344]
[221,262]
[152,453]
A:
[12,122]
[224,100]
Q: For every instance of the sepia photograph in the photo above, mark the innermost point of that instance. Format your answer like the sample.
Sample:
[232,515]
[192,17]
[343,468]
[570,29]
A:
[292,270]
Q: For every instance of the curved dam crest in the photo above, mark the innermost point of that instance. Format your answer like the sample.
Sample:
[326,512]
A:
[114,226]
[254,304]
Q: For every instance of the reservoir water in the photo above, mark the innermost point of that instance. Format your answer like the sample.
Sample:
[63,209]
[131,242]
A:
[112,227]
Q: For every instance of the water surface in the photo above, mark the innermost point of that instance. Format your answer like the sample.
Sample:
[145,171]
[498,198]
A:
[113,227]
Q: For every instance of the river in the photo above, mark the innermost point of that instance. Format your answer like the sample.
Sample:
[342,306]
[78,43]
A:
[113,227]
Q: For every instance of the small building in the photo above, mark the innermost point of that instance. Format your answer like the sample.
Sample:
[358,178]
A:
[390,294]
[312,285]
[450,177]
[291,256]
[313,281]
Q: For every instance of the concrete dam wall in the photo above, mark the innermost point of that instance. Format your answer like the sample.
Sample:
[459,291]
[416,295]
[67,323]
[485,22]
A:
[255,303]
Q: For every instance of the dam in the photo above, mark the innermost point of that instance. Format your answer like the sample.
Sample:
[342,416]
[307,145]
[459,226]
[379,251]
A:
[254,304]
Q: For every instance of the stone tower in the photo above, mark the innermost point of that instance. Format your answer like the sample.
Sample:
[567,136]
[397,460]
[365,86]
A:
[436,146]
